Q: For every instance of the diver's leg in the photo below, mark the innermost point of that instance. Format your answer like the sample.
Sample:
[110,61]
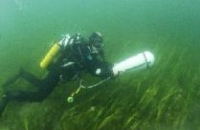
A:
[23,96]
[25,75]
[30,78]
[3,104]
[47,86]
[11,80]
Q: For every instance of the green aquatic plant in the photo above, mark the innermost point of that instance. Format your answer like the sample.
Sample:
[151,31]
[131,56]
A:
[26,123]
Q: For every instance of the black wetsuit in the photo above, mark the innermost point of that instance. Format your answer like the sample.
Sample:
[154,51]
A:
[84,61]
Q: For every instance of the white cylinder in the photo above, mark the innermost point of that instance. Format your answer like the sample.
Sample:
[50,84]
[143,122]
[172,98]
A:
[139,61]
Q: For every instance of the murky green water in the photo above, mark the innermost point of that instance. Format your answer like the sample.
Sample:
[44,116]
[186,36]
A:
[165,97]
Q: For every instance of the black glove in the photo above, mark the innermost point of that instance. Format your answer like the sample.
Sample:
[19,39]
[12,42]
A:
[105,71]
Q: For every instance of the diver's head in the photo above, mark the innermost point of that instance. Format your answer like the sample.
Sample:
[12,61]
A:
[96,41]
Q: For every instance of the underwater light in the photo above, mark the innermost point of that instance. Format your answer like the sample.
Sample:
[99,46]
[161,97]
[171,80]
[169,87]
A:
[139,61]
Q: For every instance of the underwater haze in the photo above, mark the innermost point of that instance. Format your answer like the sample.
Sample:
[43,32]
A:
[163,97]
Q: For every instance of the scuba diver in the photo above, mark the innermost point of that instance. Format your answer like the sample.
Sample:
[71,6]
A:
[74,56]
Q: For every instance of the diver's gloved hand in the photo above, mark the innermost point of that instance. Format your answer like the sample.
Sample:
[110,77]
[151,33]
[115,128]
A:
[105,72]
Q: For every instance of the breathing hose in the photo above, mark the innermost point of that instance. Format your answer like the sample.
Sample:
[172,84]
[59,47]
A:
[70,99]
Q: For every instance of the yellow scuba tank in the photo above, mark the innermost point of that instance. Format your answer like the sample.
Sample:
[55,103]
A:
[50,56]
[53,53]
